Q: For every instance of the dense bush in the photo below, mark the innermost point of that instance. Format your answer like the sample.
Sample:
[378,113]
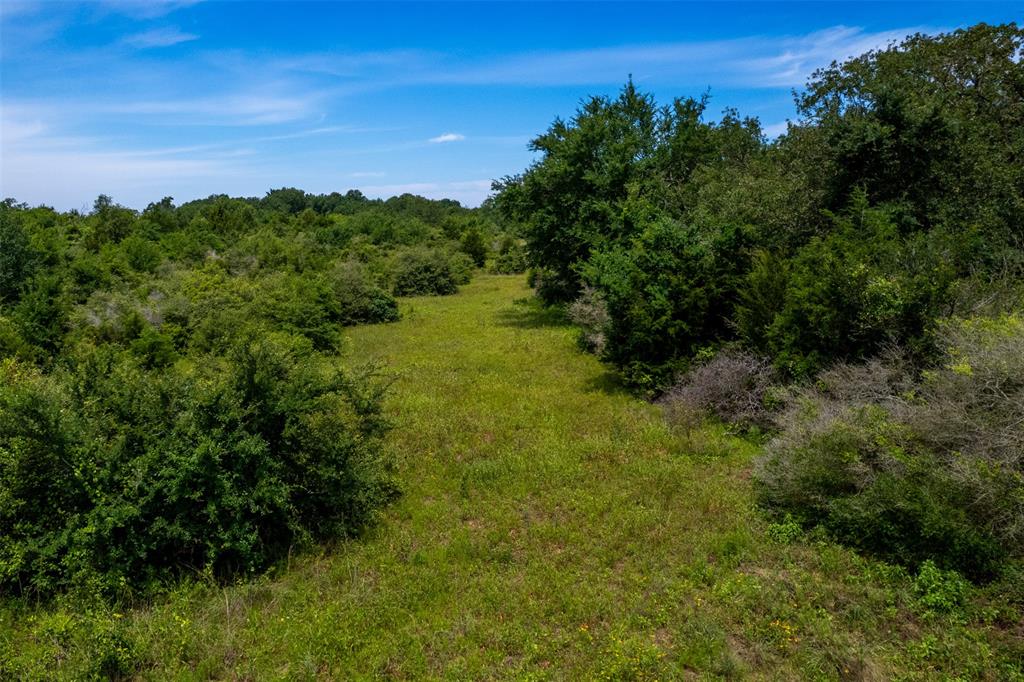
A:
[849,294]
[422,271]
[913,470]
[171,399]
[511,258]
[899,182]
[16,259]
[669,294]
[360,299]
[474,245]
[733,386]
[462,267]
[115,476]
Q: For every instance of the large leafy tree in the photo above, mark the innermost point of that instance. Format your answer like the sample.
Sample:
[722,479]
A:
[935,123]
[571,201]
[925,138]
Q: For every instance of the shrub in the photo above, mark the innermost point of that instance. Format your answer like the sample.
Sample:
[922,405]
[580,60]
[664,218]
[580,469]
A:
[220,468]
[154,348]
[472,244]
[939,590]
[141,255]
[422,271]
[384,227]
[847,295]
[669,295]
[732,386]
[549,286]
[913,470]
[41,313]
[16,257]
[590,313]
[462,267]
[511,258]
[300,304]
[360,299]
[784,532]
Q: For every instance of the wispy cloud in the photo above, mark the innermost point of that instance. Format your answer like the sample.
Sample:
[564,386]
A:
[757,61]
[13,8]
[145,9]
[447,137]
[159,37]
[125,116]
[240,108]
[40,164]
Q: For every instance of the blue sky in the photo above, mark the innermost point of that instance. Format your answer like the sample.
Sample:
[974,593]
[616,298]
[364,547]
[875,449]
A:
[142,100]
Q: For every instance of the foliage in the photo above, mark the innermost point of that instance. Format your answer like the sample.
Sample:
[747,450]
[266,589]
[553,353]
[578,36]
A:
[564,516]
[361,300]
[574,201]
[16,259]
[940,590]
[511,258]
[462,267]
[855,229]
[849,294]
[472,244]
[422,271]
[669,294]
[219,467]
[172,398]
[913,470]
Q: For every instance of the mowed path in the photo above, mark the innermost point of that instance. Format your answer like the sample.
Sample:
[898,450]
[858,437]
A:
[551,526]
[546,513]
[548,524]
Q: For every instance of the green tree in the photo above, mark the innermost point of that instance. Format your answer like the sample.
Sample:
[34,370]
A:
[16,258]
[473,244]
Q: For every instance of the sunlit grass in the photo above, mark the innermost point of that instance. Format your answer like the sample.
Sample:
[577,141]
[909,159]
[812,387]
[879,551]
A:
[551,527]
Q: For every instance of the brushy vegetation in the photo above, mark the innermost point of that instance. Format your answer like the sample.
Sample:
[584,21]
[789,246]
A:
[760,282]
[733,386]
[551,526]
[182,405]
[114,478]
[899,186]
[931,469]
[172,401]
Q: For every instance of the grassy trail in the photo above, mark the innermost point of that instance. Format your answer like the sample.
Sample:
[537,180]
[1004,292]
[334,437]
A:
[552,527]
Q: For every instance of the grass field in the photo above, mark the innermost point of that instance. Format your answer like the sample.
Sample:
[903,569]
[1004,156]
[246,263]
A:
[550,527]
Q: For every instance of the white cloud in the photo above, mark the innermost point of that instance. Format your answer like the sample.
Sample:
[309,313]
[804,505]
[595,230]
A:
[65,176]
[159,37]
[41,165]
[793,59]
[242,108]
[447,137]
[757,61]
[145,9]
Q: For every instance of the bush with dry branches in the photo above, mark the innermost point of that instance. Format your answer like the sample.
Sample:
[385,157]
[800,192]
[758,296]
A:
[913,468]
[734,386]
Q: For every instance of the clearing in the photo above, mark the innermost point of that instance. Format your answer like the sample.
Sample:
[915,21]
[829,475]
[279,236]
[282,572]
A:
[551,527]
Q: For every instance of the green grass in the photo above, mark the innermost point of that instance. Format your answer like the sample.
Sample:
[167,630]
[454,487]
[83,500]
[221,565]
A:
[551,527]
